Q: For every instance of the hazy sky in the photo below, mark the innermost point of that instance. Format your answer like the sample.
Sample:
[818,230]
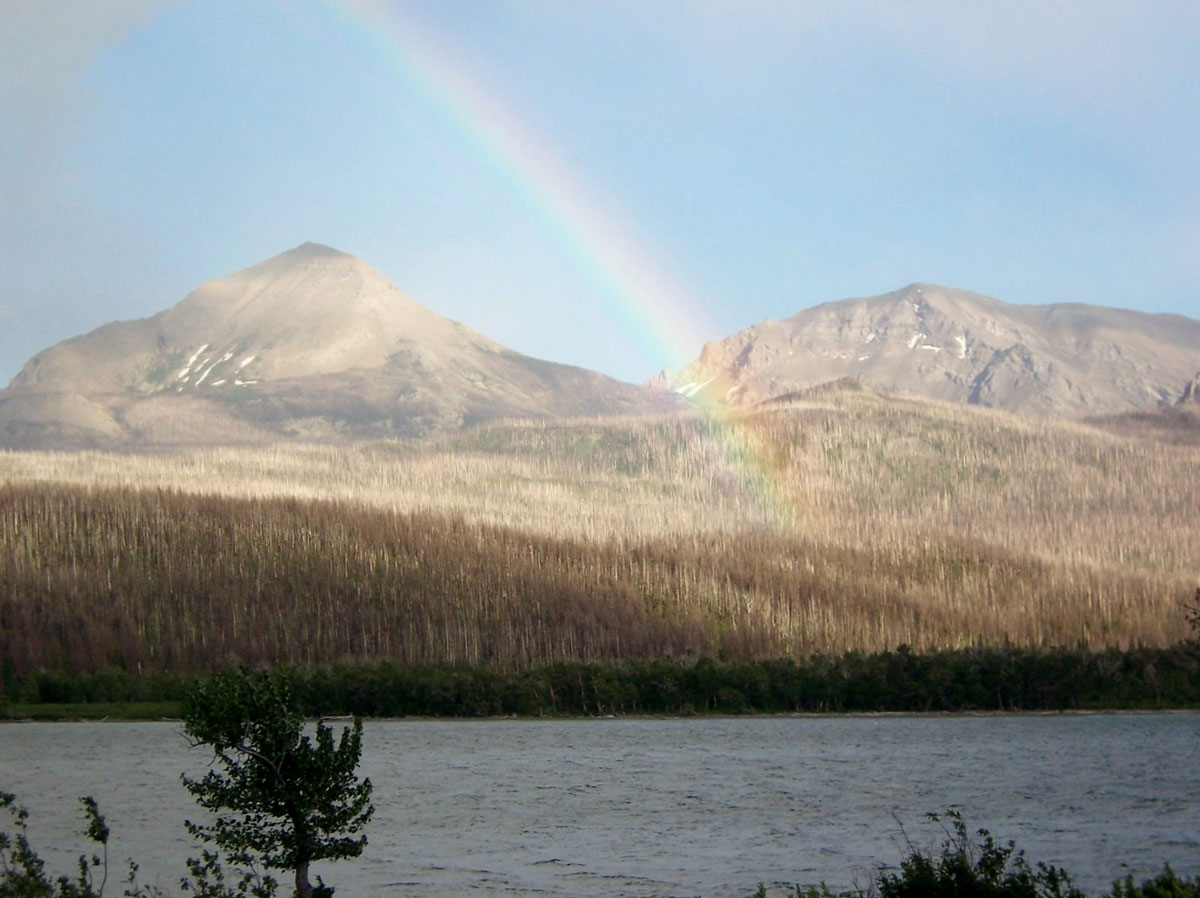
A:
[601,183]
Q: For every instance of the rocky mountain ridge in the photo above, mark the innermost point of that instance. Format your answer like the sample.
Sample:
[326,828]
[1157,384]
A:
[1190,397]
[954,345]
[315,344]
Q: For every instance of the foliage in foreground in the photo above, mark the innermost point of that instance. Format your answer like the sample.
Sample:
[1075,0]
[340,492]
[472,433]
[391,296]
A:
[984,868]
[23,872]
[278,798]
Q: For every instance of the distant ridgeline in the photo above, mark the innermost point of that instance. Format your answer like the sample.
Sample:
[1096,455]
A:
[926,340]
[316,345]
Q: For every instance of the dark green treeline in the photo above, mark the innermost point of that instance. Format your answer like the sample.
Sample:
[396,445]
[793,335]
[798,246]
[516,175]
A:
[987,679]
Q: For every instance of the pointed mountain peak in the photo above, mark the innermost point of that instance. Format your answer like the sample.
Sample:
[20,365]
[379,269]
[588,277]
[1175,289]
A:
[310,250]
[313,343]
[306,256]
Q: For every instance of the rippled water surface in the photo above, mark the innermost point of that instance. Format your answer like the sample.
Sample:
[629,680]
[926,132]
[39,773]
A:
[640,807]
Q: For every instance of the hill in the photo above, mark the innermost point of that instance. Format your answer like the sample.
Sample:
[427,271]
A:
[311,344]
[836,519]
[943,343]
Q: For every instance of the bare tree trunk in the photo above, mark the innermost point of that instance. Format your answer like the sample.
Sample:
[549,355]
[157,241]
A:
[303,886]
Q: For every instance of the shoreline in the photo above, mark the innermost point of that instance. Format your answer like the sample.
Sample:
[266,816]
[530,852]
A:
[44,714]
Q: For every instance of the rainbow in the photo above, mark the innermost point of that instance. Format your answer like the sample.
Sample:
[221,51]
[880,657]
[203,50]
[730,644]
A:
[600,244]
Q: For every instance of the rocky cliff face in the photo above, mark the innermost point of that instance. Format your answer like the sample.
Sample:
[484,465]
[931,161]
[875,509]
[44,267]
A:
[1190,397]
[310,344]
[953,345]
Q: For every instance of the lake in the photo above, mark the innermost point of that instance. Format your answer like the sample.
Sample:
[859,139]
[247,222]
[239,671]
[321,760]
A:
[665,807]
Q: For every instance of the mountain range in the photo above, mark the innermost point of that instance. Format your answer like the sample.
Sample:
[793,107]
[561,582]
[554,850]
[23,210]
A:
[948,344]
[315,344]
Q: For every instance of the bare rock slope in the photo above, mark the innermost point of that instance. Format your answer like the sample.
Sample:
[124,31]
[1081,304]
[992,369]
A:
[953,345]
[1190,397]
[311,344]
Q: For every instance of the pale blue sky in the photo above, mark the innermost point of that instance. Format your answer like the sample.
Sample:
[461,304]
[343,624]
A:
[768,156]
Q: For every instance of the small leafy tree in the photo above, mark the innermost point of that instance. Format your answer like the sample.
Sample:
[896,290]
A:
[278,796]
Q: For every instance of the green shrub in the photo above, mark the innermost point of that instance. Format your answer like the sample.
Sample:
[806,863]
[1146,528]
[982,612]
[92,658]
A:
[968,869]
[23,872]
[1165,885]
[982,868]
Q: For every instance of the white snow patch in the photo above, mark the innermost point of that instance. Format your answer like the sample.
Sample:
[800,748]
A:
[182,375]
[693,388]
[871,336]
[962,347]
[246,361]
[931,346]
[245,383]
[916,338]
[196,354]
[217,383]
[732,390]
[917,307]
[207,371]
[863,358]
[227,356]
